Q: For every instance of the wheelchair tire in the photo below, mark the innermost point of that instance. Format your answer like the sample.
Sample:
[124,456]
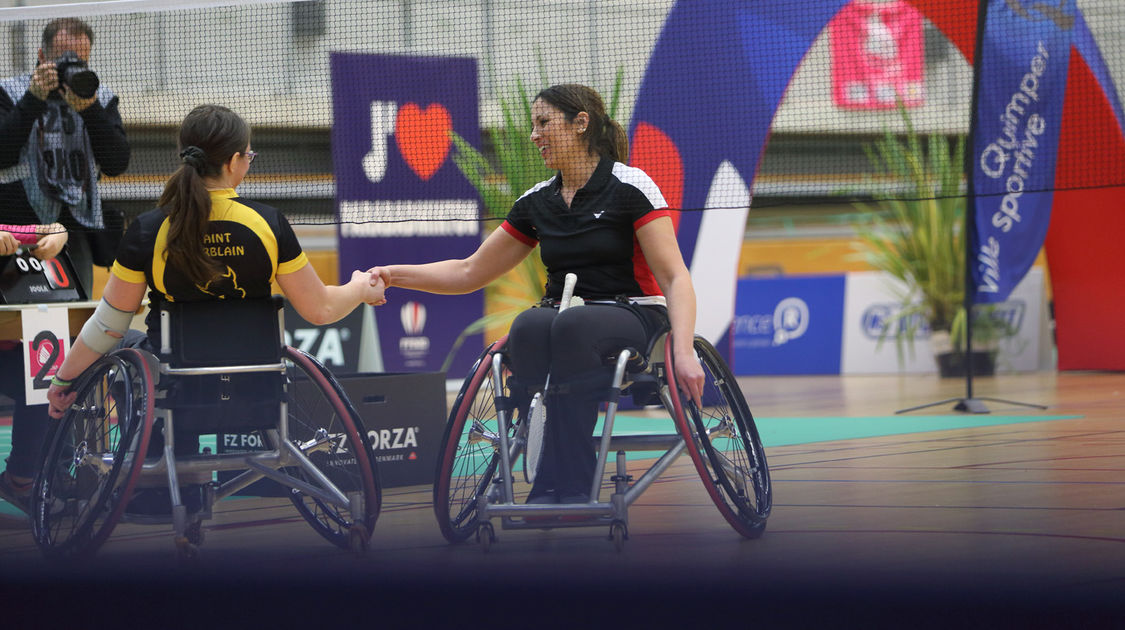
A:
[467,461]
[349,465]
[724,444]
[93,457]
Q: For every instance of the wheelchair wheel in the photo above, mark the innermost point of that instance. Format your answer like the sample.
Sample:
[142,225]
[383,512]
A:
[724,444]
[318,408]
[470,451]
[94,456]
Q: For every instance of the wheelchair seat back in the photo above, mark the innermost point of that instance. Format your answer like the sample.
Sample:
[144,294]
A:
[222,334]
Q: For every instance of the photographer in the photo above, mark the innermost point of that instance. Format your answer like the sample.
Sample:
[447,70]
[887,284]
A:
[59,131]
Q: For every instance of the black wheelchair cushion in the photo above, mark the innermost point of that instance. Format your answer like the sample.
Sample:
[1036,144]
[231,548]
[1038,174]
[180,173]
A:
[224,402]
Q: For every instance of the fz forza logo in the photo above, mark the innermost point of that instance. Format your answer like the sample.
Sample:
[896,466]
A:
[413,317]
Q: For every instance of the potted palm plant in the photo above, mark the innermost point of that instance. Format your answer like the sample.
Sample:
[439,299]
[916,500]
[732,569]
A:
[917,236]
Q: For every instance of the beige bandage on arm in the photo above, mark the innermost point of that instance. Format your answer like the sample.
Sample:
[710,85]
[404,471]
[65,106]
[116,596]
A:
[105,320]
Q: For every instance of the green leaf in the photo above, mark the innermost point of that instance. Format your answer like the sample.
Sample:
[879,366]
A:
[919,238]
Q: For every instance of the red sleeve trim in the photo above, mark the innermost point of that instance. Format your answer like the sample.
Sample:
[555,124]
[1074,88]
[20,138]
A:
[651,216]
[519,236]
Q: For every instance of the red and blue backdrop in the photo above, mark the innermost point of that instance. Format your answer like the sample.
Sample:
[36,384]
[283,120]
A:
[713,85]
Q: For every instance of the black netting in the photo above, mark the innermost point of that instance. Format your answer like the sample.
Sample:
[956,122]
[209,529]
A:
[793,94]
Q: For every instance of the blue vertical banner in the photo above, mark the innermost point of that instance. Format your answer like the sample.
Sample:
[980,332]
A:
[1023,66]
[400,199]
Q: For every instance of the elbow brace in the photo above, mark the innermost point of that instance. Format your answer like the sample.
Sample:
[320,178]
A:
[105,320]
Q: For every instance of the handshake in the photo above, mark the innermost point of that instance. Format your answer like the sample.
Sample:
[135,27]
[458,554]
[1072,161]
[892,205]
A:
[370,287]
[379,279]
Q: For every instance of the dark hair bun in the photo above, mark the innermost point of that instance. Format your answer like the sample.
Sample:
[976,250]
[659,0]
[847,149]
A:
[194,157]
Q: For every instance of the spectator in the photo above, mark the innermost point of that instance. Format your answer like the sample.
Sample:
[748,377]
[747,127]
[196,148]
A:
[55,143]
[55,140]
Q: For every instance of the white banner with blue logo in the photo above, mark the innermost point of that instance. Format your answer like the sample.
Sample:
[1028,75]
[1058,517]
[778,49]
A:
[1023,72]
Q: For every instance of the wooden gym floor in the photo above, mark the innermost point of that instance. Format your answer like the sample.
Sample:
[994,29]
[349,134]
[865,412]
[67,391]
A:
[1021,521]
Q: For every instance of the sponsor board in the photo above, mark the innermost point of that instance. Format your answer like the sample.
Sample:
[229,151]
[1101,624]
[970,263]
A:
[872,299]
[835,324]
[336,345]
[788,325]
[403,416]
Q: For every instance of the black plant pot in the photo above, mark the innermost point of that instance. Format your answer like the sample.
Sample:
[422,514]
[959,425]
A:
[952,364]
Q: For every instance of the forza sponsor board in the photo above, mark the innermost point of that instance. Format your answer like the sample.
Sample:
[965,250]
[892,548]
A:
[399,196]
[403,416]
[336,345]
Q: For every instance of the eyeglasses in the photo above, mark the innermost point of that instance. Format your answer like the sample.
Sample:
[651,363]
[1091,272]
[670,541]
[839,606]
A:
[250,155]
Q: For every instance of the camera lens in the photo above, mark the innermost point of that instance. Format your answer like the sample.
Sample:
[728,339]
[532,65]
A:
[82,81]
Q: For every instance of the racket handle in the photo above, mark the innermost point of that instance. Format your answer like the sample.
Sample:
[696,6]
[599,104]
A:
[568,291]
[25,234]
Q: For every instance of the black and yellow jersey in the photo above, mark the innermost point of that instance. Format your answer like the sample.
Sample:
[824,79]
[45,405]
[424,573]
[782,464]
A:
[253,241]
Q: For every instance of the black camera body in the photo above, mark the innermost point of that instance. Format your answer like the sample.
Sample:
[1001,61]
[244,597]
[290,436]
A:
[75,73]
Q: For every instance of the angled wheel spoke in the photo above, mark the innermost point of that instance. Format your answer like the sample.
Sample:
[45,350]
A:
[323,425]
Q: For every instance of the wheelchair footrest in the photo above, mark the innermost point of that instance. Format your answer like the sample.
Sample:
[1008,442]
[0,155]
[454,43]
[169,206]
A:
[154,505]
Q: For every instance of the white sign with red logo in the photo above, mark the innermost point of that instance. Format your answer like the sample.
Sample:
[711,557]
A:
[45,341]
[878,55]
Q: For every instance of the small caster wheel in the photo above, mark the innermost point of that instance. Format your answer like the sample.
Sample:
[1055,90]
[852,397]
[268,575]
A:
[194,533]
[618,533]
[186,552]
[486,536]
[358,539]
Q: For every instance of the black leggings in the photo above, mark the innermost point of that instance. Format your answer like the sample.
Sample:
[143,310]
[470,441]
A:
[574,347]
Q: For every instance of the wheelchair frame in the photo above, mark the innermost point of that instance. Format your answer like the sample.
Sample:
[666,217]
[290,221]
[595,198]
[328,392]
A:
[739,485]
[72,516]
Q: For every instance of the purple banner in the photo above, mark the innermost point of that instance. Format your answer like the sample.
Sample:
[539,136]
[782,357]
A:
[400,198]
[1023,72]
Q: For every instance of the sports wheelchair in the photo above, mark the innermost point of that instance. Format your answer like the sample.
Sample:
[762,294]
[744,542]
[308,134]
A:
[98,455]
[487,432]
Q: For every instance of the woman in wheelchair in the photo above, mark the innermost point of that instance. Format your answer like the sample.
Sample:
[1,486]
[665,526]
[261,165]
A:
[607,223]
[204,243]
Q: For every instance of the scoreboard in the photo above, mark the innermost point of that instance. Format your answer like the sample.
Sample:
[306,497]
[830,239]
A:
[24,279]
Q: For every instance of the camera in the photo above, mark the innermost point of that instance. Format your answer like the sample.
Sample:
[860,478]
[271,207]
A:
[75,73]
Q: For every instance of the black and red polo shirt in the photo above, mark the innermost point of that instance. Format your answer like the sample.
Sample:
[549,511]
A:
[595,238]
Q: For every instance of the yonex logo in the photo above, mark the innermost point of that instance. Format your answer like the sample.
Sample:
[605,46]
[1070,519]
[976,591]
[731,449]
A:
[598,215]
